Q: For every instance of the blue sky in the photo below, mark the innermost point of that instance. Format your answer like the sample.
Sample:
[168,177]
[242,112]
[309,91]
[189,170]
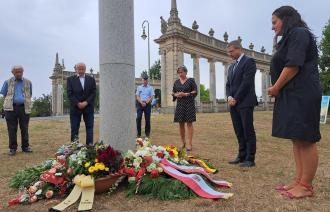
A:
[31,32]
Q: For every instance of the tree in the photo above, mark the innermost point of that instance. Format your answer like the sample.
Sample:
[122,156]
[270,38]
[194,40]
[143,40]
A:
[204,93]
[324,62]
[154,72]
[1,102]
[41,106]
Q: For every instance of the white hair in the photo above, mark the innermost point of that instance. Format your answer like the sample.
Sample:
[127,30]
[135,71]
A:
[79,64]
[17,67]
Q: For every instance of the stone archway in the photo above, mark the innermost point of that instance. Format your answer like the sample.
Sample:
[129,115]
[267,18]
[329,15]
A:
[177,39]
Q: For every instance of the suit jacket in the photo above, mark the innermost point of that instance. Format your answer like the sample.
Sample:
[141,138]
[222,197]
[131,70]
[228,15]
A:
[76,93]
[240,85]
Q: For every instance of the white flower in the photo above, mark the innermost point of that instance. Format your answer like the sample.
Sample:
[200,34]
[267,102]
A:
[160,169]
[151,167]
[38,192]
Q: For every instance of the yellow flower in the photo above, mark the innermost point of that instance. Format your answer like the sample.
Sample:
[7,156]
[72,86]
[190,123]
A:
[97,166]
[87,165]
[101,166]
[106,169]
[91,169]
[175,152]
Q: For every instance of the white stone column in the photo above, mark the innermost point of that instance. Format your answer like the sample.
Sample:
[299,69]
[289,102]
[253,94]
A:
[264,87]
[163,78]
[213,84]
[197,78]
[225,77]
[59,99]
[117,99]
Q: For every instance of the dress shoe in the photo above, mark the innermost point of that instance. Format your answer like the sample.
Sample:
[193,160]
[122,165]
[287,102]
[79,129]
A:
[12,152]
[247,164]
[236,161]
[27,150]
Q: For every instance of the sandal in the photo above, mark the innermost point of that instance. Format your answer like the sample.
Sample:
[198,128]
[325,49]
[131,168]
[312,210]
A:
[183,146]
[290,195]
[286,187]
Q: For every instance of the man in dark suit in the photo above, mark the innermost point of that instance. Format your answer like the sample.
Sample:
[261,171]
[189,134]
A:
[242,99]
[81,93]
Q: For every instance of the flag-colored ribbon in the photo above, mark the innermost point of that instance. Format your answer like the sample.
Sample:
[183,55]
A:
[196,169]
[195,183]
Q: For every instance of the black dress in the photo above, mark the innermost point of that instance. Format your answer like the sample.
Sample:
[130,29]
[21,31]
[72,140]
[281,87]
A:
[297,107]
[185,108]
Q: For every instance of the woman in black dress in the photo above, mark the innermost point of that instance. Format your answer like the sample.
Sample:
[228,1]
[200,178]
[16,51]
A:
[296,87]
[185,91]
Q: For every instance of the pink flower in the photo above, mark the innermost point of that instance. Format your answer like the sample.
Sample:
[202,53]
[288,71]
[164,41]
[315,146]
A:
[33,199]
[32,189]
[69,171]
[49,194]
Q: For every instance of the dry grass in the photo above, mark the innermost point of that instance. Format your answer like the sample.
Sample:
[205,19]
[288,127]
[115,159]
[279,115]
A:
[214,139]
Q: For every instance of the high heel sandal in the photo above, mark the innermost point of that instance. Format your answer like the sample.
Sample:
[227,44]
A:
[283,187]
[290,195]
[183,146]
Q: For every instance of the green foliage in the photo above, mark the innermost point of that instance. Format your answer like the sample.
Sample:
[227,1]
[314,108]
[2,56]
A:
[1,102]
[143,73]
[204,93]
[324,62]
[162,187]
[27,176]
[154,72]
[41,106]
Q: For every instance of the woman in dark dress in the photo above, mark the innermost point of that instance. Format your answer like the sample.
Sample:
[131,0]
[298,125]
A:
[185,91]
[296,88]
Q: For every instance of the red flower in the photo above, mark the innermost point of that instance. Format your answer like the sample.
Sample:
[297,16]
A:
[154,174]
[139,142]
[172,146]
[130,171]
[171,153]
[160,154]
[148,159]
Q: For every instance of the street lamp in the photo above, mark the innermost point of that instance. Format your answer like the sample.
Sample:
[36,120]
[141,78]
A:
[144,36]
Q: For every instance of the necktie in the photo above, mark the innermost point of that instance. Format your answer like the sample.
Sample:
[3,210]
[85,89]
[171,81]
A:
[234,68]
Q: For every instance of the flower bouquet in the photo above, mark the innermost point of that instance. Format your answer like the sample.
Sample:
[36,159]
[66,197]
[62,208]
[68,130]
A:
[166,173]
[54,177]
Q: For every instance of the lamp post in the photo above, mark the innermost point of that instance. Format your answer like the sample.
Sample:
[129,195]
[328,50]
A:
[144,36]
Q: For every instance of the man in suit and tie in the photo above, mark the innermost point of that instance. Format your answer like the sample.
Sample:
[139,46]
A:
[242,99]
[81,93]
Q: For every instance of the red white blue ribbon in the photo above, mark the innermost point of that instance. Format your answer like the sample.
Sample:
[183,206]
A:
[195,183]
[195,169]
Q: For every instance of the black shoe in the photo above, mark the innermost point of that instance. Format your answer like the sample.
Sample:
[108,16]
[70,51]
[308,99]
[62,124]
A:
[27,150]
[12,152]
[247,164]
[236,161]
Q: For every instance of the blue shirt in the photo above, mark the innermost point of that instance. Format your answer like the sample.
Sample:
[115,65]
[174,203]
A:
[144,92]
[18,91]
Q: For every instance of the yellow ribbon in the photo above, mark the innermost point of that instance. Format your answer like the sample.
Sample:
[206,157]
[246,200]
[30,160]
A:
[84,181]
[85,188]
[209,169]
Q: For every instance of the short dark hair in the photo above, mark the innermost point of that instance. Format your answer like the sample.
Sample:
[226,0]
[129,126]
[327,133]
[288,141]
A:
[184,68]
[235,43]
[290,18]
